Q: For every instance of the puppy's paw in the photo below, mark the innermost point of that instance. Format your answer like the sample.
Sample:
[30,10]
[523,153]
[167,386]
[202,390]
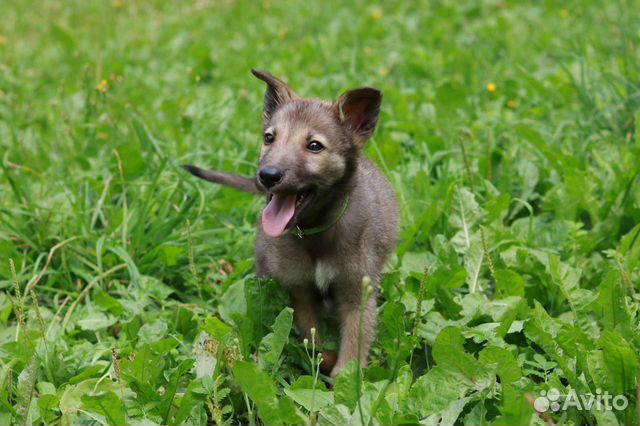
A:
[328,363]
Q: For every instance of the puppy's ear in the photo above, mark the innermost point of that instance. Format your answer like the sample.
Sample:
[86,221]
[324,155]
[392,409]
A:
[277,93]
[358,110]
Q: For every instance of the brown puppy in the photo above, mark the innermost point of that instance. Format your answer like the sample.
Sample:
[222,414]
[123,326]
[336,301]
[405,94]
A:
[331,217]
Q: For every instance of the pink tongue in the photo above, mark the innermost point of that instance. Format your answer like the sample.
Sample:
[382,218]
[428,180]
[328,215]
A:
[277,214]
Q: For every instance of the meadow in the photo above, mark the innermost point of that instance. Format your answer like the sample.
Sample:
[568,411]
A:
[510,131]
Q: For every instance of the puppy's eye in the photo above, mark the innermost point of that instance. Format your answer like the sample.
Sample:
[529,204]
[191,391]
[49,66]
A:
[268,138]
[315,146]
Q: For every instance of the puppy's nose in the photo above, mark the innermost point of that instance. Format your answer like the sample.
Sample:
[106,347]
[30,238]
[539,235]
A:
[269,176]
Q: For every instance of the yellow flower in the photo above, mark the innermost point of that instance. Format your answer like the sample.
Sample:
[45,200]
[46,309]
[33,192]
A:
[117,4]
[564,13]
[103,86]
[376,14]
[512,104]
[3,40]
[384,71]
[491,87]
[103,136]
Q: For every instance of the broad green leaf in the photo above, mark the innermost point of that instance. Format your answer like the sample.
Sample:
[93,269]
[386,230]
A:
[336,414]
[435,391]
[216,328]
[473,305]
[96,321]
[345,387]
[46,388]
[514,408]
[399,388]
[612,306]
[48,406]
[273,410]
[189,400]
[392,334]
[164,408]
[449,355]
[106,404]
[310,399]
[92,370]
[383,413]
[509,283]
[307,382]
[621,362]
[26,391]
[465,214]
[507,367]
[71,400]
[233,302]
[252,305]
[543,330]
[273,343]
[508,318]
[105,301]
[527,176]
[145,365]
[630,243]
[362,414]
[133,163]
[573,341]
[605,417]
[567,279]
[155,288]
[415,261]
[152,332]
[265,300]
[473,261]
[497,207]
[451,413]
[598,370]
[170,255]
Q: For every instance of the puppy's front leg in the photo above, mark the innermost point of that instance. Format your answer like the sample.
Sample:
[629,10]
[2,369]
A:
[305,316]
[357,329]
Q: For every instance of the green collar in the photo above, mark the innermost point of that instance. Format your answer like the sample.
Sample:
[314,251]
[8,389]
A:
[301,233]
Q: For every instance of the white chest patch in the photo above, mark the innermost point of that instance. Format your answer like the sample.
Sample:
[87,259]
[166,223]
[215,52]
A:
[325,273]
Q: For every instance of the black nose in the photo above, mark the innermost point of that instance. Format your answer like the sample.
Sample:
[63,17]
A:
[269,176]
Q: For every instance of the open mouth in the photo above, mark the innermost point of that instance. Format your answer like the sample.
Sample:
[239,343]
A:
[282,211]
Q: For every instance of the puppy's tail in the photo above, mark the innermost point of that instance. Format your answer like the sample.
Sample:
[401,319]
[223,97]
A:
[228,179]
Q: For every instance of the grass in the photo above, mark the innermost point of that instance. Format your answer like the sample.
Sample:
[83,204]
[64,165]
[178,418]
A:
[509,130]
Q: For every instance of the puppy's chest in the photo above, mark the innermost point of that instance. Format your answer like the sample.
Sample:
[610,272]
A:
[325,273]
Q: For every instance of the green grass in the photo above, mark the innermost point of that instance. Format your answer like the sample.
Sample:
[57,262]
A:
[509,130]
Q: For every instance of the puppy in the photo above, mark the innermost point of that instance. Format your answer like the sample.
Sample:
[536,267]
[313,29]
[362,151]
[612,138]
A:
[331,217]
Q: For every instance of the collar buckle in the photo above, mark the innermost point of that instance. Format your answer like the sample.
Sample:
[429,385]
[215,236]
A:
[300,233]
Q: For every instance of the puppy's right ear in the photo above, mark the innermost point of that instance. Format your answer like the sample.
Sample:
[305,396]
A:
[358,110]
[277,93]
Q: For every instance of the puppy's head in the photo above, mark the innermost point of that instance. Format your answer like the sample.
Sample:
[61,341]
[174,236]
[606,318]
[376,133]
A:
[309,148]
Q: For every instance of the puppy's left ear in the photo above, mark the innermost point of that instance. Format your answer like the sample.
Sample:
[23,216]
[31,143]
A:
[277,94]
[358,110]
